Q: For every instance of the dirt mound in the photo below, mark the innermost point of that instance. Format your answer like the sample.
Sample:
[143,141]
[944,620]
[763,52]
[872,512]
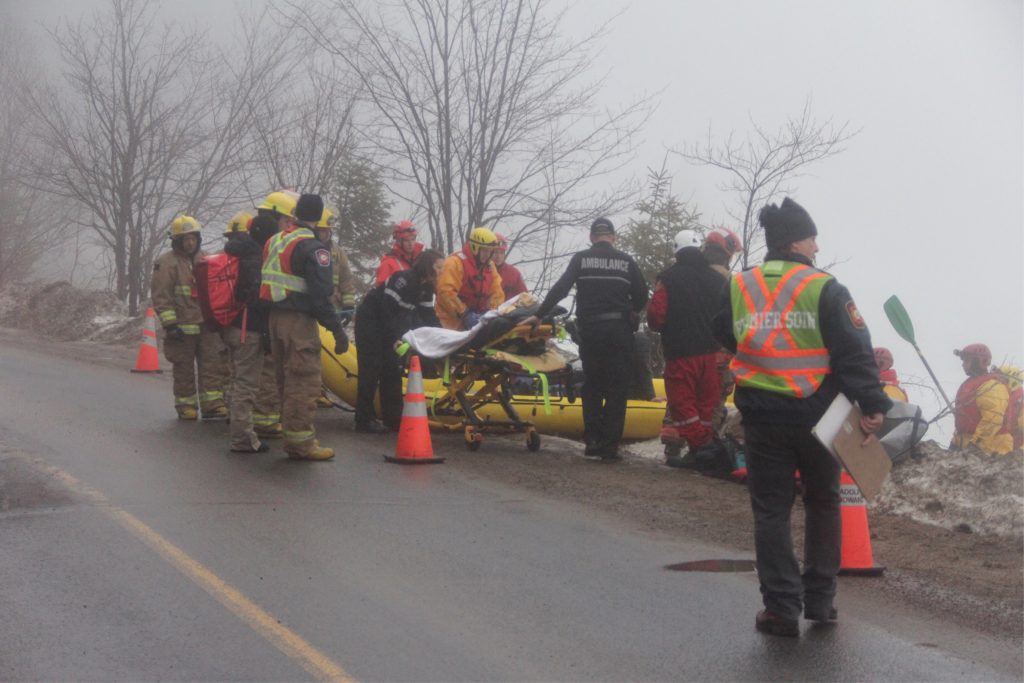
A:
[59,311]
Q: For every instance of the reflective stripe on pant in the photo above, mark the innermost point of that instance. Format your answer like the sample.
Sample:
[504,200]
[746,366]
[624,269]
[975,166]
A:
[691,387]
[266,410]
[774,453]
[295,340]
[214,370]
[206,351]
[246,368]
[606,349]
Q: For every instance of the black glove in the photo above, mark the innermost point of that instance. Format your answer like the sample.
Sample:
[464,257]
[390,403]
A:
[340,341]
[265,342]
[175,333]
[345,315]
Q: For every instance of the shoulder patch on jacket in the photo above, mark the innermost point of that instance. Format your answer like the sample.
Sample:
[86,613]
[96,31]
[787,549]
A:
[855,317]
[323,257]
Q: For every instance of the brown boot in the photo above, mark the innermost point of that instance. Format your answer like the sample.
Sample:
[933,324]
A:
[313,452]
[187,413]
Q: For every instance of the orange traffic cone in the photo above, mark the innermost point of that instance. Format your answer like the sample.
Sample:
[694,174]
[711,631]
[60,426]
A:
[855,556]
[148,359]
[414,447]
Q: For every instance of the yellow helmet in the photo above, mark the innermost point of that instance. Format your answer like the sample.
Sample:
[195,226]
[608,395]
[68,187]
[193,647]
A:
[183,225]
[282,202]
[480,238]
[240,222]
[328,219]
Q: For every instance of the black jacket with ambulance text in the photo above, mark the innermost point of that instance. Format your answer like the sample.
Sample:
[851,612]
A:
[607,281]
[852,361]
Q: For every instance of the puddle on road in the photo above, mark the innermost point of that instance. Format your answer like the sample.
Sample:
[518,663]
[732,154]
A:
[713,566]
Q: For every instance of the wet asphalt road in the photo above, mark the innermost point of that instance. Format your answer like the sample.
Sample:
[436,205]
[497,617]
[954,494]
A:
[135,547]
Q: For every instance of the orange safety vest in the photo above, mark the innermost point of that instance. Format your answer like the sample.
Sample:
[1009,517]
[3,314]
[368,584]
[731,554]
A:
[776,323]
[276,276]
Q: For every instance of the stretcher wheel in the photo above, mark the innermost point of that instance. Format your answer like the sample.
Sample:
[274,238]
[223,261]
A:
[473,439]
[532,441]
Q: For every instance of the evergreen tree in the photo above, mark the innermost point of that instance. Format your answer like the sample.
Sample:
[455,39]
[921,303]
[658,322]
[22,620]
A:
[649,238]
[364,224]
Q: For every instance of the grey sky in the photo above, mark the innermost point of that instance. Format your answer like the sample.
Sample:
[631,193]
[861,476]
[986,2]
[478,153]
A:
[928,200]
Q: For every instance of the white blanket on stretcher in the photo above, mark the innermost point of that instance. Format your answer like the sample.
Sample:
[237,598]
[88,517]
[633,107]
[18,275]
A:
[437,342]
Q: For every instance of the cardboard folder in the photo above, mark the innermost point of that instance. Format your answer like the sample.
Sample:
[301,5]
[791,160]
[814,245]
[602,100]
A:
[839,431]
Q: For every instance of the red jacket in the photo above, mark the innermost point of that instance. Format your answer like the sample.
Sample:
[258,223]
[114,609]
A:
[511,280]
[394,262]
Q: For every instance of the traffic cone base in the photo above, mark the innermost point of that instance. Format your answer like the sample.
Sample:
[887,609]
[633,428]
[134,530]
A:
[855,556]
[148,358]
[414,446]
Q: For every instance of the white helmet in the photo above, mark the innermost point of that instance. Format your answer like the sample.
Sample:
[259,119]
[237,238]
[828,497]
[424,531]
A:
[685,238]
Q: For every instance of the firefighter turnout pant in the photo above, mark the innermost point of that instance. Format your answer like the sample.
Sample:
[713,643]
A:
[606,349]
[266,412]
[693,392]
[246,369]
[378,365]
[295,344]
[200,354]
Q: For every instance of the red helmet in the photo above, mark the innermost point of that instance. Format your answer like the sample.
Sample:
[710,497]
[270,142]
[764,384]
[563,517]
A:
[502,242]
[402,230]
[883,358]
[725,239]
[978,355]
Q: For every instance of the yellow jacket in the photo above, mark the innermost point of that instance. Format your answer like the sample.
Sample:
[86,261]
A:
[991,399]
[344,295]
[453,288]
[175,298]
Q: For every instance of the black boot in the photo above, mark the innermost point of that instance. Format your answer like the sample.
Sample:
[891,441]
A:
[371,427]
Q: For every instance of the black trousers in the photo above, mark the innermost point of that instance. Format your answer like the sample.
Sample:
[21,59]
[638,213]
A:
[774,453]
[378,366]
[606,350]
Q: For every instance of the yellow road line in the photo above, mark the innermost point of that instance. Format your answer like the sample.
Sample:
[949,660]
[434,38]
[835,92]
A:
[283,638]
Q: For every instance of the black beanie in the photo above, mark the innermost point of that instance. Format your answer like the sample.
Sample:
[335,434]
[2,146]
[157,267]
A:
[309,208]
[786,224]
[602,226]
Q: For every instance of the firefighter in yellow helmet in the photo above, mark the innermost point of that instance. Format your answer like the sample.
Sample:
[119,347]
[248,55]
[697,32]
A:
[274,214]
[469,284]
[296,283]
[186,344]
[343,296]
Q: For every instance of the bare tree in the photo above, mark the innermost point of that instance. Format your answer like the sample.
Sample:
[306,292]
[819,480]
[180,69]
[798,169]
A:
[28,224]
[483,108]
[765,163]
[149,124]
[303,143]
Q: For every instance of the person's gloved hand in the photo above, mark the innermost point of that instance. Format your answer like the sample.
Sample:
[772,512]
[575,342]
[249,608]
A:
[345,315]
[470,319]
[340,341]
[175,333]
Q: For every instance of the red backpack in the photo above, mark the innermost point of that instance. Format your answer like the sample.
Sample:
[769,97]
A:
[216,277]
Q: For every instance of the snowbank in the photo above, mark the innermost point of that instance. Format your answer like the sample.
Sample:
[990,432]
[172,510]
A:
[965,491]
[59,311]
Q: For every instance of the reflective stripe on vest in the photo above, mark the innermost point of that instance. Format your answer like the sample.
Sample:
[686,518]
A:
[775,321]
[276,278]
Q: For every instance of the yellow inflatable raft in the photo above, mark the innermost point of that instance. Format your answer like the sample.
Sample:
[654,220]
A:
[643,418]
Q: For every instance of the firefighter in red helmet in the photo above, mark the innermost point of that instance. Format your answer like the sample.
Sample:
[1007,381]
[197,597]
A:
[402,254]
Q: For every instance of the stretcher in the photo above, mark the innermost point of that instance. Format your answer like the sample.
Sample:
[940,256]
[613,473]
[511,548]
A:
[484,375]
[558,414]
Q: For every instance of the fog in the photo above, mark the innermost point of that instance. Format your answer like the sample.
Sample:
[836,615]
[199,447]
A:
[926,200]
